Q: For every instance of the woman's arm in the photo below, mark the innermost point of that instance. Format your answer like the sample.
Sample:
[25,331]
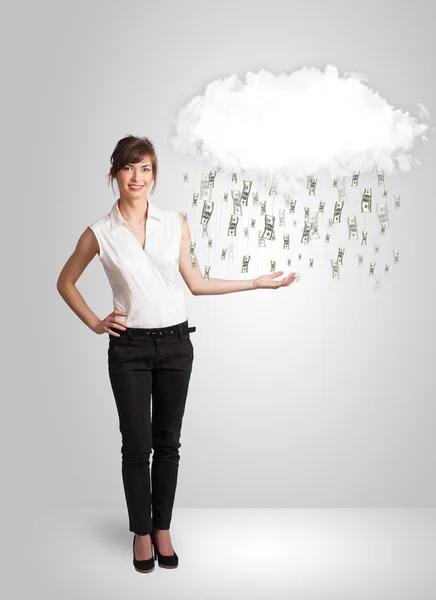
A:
[86,249]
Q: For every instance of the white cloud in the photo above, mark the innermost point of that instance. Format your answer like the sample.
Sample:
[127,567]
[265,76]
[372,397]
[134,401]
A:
[299,123]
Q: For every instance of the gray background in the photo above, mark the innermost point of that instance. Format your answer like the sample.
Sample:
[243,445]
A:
[297,397]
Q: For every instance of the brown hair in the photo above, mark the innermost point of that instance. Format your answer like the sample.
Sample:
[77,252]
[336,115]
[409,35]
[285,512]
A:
[131,149]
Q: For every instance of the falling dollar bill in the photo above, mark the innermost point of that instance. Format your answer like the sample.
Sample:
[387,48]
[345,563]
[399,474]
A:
[337,211]
[376,249]
[327,238]
[262,208]
[194,199]
[199,147]
[288,262]
[225,197]
[287,200]
[292,206]
[396,257]
[185,177]
[311,263]
[321,207]
[335,269]
[299,257]
[185,218]
[211,182]
[313,226]
[281,217]
[305,235]
[306,213]
[335,182]
[236,196]
[253,223]
[245,232]
[261,241]
[364,236]
[352,228]
[206,273]
[273,190]
[193,263]
[232,225]
[387,269]
[342,193]
[371,268]
[380,178]
[209,243]
[340,259]
[206,212]
[312,186]
[273,266]
[397,201]
[375,167]
[382,213]
[223,253]
[245,261]
[245,192]
[255,198]
[286,241]
[355,179]
[234,177]
[268,231]
[360,260]
[192,249]
[267,182]
[365,205]
[385,193]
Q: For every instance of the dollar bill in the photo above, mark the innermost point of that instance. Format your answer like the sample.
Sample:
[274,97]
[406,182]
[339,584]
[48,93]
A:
[253,223]
[335,269]
[267,182]
[262,208]
[245,261]
[246,192]
[327,238]
[355,179]
[313,226]
[299,257]
[375,167]
[192,248]
[288,262]
[255,196]
[226,197]
[312,186]
[382,213]
[383,229]
[311,263]
[211,182]
[396,257]
[397,201]
[206,273]
[273,190]
[234,219]
[209,243]
[193,263]
[234,177]
[245,232]
[199,147]
[364,236]
[306,213]
[360,259]
[223,253]
[305,235]
[387,269]
[321,207]
[380,178]
[292,206]
[340,259]
[385,193]
[335,182]
[185,218]
[376,249]
[337,211]
[185,177]
[281,217]
[207,211]
[268,231]
[261,241]
[352,228]
[287,200]
[273,266]
[371,268]
[194,199]
[286,241]
[365,205]
[237,209]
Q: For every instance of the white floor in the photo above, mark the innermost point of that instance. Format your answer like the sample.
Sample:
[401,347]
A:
[232,554]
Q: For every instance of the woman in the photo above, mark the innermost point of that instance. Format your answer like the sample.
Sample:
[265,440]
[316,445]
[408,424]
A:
[141,247]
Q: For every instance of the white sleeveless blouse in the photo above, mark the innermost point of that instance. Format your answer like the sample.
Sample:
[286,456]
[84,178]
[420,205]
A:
[143,282]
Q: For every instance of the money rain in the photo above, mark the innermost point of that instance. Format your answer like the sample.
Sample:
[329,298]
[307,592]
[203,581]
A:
[288,165]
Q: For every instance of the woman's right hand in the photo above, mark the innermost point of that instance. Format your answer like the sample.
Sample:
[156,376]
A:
[110,321]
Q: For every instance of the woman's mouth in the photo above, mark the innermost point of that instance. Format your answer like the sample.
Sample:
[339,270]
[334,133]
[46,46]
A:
[135,188]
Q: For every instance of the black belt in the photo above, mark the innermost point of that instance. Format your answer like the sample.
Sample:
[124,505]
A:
[180,329]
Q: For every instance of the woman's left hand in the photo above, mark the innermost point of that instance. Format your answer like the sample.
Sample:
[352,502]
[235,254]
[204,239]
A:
[267,281]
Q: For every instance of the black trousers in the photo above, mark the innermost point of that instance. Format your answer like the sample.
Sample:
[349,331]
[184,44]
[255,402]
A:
[145,363]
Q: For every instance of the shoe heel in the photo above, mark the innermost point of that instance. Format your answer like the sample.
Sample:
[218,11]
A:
[143,566]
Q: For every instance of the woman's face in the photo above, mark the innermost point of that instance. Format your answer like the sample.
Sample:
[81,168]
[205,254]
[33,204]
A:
[139,174]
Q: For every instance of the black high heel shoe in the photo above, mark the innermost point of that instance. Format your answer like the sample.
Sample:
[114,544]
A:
[143,566]
[167,562]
